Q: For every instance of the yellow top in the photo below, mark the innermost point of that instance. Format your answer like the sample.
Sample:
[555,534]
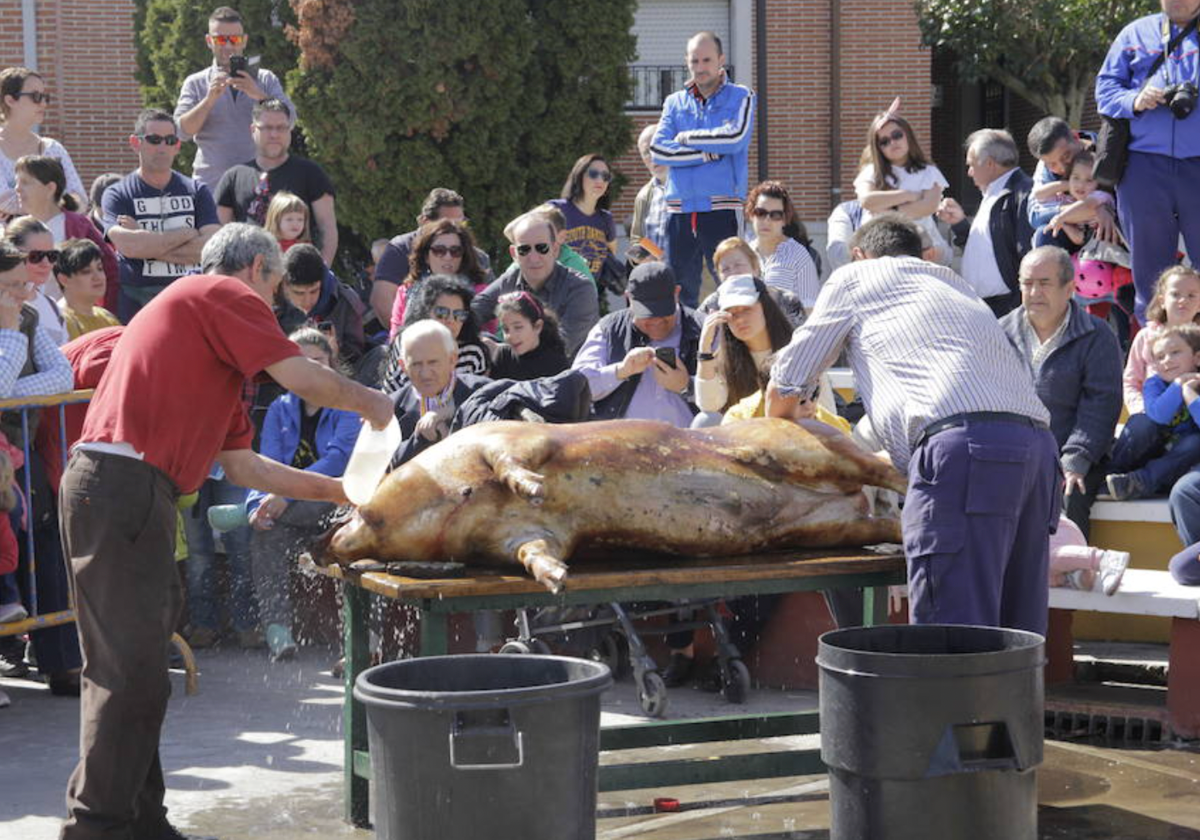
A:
[79,323]
[755,405]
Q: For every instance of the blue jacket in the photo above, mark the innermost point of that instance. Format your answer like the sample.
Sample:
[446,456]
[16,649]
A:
[706,144]
[1166,407]
[1129,58]
[337,432]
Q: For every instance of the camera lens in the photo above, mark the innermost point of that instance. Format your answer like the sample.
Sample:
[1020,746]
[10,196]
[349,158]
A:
[1181,99]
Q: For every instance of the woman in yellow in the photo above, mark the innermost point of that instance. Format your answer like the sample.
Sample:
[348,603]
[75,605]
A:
[80,273]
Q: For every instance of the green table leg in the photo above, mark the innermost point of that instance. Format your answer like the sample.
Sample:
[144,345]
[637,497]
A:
[875,605]
[355,604]
[435,633]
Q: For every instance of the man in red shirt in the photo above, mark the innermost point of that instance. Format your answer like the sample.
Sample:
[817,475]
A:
[168,404]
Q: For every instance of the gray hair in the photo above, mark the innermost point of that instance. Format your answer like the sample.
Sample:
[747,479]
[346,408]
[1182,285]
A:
[234,247]
[1066,269]
[422,329]
[995,145]
[646,138]
[526,220]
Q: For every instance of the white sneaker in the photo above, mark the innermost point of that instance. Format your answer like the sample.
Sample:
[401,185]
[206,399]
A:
[12,612]
[1112,569]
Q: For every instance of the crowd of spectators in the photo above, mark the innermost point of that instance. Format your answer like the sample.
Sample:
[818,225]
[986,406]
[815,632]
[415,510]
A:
[440,329]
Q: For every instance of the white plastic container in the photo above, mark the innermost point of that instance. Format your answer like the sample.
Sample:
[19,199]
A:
[369,461]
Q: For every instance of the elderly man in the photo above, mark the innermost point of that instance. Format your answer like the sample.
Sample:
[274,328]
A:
[650,206]
[215,103]
[1076,365]
[147,439]
[955,408]
[245,191]
[654,335]
[536,269]
[425,406]
[703,138]
[1157,193]
[1000,235]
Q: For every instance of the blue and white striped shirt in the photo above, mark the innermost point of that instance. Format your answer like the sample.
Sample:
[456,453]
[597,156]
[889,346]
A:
[54,375]
[923,347]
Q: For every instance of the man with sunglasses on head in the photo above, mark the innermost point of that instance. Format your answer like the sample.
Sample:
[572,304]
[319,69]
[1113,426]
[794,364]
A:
[215,104]
[245,190]
[311,287]
[703,139]
[156,218]
[536,269]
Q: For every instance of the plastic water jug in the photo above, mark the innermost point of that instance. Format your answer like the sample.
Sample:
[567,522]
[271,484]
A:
[369,461]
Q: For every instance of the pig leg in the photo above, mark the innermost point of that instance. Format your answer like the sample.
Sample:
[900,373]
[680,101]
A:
[514,460]
[538,559]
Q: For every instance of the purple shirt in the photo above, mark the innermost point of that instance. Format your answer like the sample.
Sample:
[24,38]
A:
[589,235]
[650,400]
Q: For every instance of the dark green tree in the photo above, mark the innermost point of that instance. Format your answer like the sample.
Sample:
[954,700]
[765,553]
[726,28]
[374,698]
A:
[493,99]
[1045,51]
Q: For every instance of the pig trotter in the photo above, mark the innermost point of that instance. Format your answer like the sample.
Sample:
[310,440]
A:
[546,569]
[525,483]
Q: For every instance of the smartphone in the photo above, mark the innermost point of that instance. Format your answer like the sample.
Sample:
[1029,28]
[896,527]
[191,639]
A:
[666,355]
[238,64]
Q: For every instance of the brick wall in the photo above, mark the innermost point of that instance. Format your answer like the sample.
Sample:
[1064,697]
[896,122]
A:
[85,53]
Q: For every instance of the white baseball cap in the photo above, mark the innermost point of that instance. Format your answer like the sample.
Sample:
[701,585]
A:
[738,290]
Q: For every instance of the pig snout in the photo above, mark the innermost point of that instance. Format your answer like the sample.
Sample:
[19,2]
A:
[351,539]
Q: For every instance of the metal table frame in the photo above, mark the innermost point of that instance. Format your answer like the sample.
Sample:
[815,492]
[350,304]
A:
[435,607]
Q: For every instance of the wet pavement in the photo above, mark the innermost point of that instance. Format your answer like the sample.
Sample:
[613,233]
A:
[257,754]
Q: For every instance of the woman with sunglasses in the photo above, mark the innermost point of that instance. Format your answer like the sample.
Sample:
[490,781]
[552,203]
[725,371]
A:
[42,191]
[23,104]
[900,179]
[447,299]
[584,204]
[779,241]
[441,247]
[37,243]
[533,344]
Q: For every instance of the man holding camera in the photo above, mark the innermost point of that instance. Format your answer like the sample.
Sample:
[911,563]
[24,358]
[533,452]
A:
[215,103]
[1156,195]
[640,361]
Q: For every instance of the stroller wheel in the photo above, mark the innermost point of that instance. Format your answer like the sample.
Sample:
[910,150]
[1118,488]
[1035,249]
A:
[736,681]
[652,694]
[517,647]
[612,652]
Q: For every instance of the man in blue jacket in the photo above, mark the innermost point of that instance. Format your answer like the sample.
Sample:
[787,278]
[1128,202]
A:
[1156,196]
[703,138]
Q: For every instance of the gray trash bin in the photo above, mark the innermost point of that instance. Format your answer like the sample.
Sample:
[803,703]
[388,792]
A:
[931,732]
[464,747]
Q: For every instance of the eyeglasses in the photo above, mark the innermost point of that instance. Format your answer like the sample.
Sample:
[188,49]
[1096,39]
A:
[455,251]
[227,40]
[540,247]
[160,139]
[37,97]
[599,175]
[763,213]
[445,313]
[889,139]
[37,256]
[273,129]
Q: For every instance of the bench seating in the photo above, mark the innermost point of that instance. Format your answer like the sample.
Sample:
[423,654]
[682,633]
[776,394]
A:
[1142,592]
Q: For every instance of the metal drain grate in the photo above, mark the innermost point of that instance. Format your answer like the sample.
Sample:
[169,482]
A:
[1125,729]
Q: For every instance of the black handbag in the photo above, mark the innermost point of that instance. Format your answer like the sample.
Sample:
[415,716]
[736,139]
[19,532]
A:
[1112,143]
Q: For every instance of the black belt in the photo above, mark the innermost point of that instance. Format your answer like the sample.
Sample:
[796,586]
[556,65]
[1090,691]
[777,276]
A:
[956,421]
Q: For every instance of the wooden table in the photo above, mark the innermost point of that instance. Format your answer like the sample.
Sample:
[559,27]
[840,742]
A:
[656,579]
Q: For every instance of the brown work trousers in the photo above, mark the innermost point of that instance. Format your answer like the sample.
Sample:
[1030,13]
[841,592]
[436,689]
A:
[118,528]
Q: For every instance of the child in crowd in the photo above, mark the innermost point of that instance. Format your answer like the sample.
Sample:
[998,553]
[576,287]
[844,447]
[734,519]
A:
[1157,447]
[287,219]
[1176,302]
[533,344]
[1076,565]
[1077,219]
[80,273]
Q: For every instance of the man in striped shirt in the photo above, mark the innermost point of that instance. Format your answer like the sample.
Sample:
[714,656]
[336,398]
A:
[957,410]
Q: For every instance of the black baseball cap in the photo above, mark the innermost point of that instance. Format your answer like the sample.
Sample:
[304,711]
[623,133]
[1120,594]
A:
[651,290]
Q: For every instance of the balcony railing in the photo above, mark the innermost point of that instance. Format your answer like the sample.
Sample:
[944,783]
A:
[654,83]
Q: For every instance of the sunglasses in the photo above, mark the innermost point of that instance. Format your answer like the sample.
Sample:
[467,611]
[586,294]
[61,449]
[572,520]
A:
[227,40]
[37,97]
[160,139]
[446,250]
[889,139]
[444,313]
[599,175]
[541,247]
[763,213]
[37,256]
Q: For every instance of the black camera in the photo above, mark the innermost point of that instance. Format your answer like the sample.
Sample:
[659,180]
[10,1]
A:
[1181,99]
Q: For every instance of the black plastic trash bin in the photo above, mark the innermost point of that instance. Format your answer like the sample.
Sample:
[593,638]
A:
[464,747]
[931,732]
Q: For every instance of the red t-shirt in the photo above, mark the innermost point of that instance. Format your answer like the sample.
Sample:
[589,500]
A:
[173,387]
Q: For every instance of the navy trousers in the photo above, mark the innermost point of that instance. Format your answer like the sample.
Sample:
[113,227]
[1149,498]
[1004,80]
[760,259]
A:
[1185,566]
[977,518]
[1157,202]
[1142,449]
[691,240]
